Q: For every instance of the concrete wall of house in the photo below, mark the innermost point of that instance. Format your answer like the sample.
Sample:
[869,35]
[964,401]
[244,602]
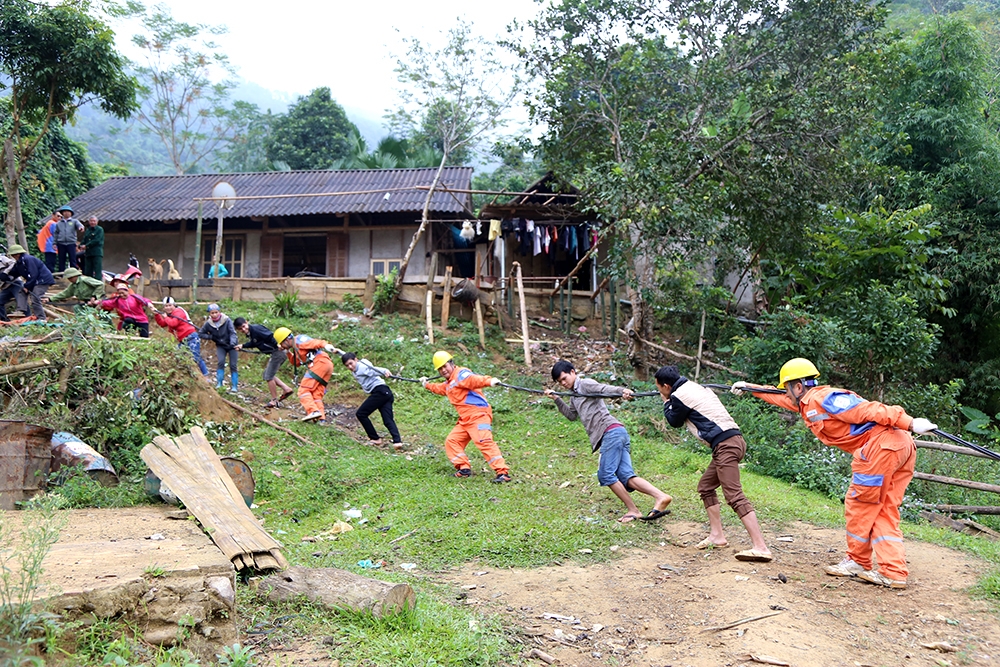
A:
[155,245]
[365,245]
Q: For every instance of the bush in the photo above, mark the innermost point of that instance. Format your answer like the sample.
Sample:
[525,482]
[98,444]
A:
[285,304]
[787,333]
[385,291]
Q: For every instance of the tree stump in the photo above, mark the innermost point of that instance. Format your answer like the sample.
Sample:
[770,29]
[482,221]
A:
[339,589]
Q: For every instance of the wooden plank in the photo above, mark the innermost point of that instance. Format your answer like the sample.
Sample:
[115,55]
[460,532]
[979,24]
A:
[369,297]
[336,254]
[954,481]
[446,305]
[238,291]
[966,509]
[479,323]
[431,275]
[524,314]
[272,255]
[429,309]
[945,447]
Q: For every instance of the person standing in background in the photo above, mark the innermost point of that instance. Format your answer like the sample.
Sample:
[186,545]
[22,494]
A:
[65,236]
[93,249]
[46,242]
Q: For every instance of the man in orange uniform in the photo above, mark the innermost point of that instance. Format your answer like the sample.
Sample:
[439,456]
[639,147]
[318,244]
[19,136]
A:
[314,354]
[475,416]
[877,436]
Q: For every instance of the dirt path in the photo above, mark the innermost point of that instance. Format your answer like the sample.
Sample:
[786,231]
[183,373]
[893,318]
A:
[634,612]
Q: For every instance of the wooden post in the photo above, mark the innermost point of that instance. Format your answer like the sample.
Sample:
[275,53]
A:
[562,309]
[238,290]
[952,481]
[479,321]
[569,305]
[701,342]
[369,297]
[524,313]
[431,275]
[429,305]
[446,304]
[613,297]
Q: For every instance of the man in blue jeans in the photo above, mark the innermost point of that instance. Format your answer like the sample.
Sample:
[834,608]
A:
[614,469]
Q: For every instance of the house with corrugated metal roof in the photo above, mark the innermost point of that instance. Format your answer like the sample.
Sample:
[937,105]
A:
[341,224]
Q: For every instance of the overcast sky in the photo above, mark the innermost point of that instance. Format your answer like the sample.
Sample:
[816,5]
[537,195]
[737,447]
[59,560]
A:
[294,46]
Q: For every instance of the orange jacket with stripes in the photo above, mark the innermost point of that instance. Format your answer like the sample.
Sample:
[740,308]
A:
[460,388]
[305,352]
[841,418]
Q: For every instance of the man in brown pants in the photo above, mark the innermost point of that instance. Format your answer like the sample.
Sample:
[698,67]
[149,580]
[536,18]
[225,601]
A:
[688,403]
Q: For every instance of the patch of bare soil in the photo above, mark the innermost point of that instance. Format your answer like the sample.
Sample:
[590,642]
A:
[656,607]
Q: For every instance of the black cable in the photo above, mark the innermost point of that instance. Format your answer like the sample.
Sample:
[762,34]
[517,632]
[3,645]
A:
[971,445]
[748,388]
[541,391]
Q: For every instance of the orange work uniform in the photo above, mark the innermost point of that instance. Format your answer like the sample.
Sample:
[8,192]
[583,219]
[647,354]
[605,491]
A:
[877,437]
[309,352]
[475,419]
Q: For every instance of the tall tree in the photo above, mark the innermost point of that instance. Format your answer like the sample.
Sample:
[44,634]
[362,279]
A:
[53,59]
[185,83]
[313,134]
[690,123]
[453,98]
[246,149]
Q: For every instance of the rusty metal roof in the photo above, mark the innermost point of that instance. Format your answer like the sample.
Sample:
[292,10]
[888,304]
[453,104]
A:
[160,198]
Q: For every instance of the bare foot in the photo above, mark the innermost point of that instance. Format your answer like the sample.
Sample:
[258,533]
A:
[661,505]
[628,518]
[375,443]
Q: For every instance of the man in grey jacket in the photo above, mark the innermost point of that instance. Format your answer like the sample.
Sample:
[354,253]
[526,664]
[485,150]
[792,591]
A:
[65,237]
[380,398]
[614,469]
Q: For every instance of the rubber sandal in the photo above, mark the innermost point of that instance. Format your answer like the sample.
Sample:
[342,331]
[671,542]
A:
[754,556]
[709,544]
[271,404]
[285,395]
[463,472]
[654,514]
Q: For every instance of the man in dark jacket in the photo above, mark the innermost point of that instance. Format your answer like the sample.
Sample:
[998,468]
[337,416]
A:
[65,238]
[37,278]
[93,248]
[10,288]
[262,338]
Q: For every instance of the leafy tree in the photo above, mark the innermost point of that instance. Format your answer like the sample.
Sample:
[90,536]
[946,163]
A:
[53,59]
[391,153]
[516,172]
[181,105]
[313,134]
[246,150]
[451,99]
[696,127]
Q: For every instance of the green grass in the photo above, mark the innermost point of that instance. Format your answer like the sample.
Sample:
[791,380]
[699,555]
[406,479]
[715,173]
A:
[418,513]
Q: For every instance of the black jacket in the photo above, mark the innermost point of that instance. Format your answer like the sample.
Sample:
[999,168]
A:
[33,270]
[700,410]
[261,338]
[222,333]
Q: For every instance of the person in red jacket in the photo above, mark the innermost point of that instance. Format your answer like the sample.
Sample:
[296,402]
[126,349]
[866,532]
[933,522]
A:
[475,416]
[314,354]
[877,436]
[131,308]
[175,320]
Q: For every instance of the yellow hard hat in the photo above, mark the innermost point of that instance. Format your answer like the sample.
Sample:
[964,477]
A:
[796,369]
[281,333]
[440,359]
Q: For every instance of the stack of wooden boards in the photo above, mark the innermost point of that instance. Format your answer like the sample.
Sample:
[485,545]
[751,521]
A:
[195,474]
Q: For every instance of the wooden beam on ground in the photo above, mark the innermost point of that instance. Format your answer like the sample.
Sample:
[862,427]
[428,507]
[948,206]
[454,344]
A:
[339,589]
[25,367]
[524,313]
[264,420]
[446,304]
[954,481]
[945,447]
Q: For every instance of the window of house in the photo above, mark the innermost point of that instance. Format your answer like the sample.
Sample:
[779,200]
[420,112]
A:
[231,258]
[382,267]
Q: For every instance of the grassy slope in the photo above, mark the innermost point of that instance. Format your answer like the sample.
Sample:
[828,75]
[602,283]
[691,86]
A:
[531,522]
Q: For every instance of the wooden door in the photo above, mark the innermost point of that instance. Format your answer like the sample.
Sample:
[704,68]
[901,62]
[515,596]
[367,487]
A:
[272,249]
[336,255]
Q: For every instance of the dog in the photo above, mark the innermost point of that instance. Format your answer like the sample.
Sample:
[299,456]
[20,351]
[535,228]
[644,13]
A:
[155,270]
[172,273]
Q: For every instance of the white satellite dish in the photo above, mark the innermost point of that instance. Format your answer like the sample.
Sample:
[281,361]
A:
[223,193]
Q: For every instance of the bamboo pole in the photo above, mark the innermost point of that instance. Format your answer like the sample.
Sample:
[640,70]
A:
[429,305]
[25,367]
[446,303]
[701,344]
[943,447]
[524,313]
[270,423]
[576,268]
[953,481]
[479,322]
[681,355]
[966,509]
[430,278]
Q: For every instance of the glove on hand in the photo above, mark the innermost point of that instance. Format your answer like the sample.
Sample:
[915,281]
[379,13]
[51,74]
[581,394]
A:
[329,348]
[921,425]
[494,382]
[738,388]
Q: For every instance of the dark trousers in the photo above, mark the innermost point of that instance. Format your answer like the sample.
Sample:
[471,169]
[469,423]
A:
[14,290]
[129,324]
[50,260]
[66,250]
[93,264]
[380,399]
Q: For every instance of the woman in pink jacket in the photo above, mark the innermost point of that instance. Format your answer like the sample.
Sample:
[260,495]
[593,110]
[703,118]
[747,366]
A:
[131,308]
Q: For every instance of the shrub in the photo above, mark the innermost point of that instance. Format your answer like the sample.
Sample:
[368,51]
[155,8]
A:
[787,333]
[285,304]
[385,291]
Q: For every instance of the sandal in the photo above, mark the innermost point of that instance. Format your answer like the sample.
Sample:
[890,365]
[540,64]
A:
[271,404]
[285,395]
